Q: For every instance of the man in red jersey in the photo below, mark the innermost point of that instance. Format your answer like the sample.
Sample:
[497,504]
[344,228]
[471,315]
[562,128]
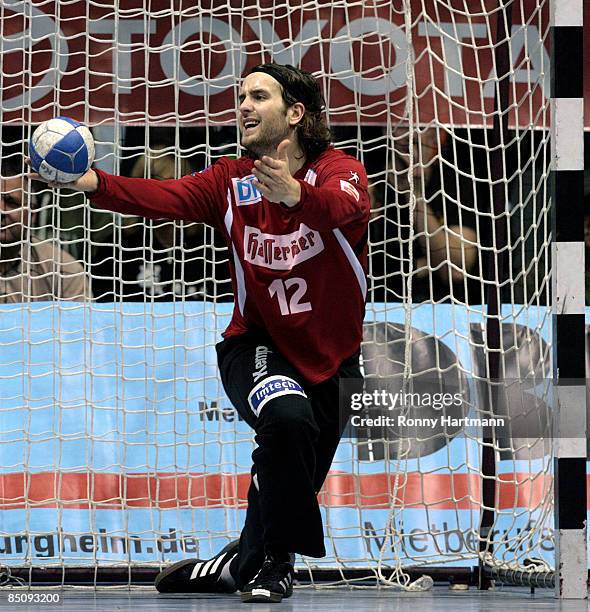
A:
[294,212]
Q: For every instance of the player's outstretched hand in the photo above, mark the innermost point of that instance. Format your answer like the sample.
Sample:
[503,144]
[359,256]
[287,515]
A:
[274,179]
[87,182]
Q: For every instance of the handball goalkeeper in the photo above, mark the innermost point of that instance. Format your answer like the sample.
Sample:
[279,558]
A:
[294,212]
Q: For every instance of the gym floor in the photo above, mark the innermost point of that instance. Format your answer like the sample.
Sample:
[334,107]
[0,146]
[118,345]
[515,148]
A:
[304,599]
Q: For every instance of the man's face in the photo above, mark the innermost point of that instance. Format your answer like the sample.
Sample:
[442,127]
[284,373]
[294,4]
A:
[263,118]
[13,209]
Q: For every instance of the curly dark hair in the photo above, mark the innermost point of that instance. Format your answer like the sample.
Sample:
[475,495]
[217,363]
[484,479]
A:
[299,86]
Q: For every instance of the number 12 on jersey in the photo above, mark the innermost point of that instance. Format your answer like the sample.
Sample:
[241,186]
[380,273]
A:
[280,288]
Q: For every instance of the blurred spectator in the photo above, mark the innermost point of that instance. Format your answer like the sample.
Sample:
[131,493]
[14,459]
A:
[587,231]
[160,260]
[529,219]
[31,269]
[444,261]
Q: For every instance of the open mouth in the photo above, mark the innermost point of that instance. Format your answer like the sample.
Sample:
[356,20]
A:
[250,125]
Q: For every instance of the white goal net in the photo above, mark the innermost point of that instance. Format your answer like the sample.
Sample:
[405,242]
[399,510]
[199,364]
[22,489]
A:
[118,448]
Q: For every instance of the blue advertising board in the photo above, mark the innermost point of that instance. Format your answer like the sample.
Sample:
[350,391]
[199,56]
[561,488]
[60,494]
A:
[117,442]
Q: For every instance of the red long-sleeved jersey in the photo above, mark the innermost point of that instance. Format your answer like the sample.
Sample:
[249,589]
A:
[298,273]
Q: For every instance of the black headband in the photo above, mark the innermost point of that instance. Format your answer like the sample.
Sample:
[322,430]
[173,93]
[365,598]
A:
[308,92]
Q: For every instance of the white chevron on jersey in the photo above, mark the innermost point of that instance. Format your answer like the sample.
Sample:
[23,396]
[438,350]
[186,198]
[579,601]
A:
[311,177]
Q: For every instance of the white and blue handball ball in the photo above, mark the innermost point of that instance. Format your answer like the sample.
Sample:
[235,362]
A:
[61,150]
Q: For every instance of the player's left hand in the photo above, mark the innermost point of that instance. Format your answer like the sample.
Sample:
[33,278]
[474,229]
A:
[274,179]
[87,182]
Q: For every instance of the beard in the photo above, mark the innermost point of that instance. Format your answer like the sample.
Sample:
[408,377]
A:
[266,141]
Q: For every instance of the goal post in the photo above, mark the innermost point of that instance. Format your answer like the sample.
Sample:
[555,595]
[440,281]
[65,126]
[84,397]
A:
[567,69]
[119,452]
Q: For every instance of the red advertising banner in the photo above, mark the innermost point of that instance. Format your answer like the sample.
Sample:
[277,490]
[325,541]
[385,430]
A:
[169,62]
[114,491]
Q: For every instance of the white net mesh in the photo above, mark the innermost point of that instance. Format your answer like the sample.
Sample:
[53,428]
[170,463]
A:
[118,447]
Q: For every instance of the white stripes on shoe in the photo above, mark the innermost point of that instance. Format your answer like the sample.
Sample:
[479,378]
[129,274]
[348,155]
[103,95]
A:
[195,572]
[203,568]
[218,562]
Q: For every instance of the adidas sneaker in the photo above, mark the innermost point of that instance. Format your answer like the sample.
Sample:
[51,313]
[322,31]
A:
[197,576]
[273,582]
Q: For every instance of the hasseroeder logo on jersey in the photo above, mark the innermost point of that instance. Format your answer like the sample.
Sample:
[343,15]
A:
[282,251]
[244,191]
[271,388]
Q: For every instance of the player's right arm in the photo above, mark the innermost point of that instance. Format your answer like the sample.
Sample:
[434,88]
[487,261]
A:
[195,197]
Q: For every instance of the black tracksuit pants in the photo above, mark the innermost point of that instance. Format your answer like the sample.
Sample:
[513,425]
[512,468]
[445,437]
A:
[298,427]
